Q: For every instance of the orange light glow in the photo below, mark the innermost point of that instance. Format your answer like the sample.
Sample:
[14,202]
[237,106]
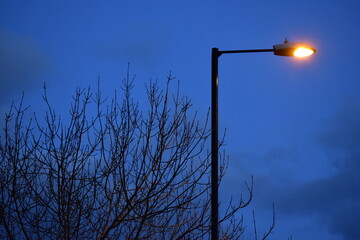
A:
[303,52]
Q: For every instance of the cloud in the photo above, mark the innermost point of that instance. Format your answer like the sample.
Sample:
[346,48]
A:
[22,65]
[138,42]
[334,199]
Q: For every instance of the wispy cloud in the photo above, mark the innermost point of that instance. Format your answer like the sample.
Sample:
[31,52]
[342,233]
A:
[138,42]
[22,65]
[334,199]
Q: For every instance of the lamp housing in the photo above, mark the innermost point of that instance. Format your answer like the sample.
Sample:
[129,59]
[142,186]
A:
[293,49]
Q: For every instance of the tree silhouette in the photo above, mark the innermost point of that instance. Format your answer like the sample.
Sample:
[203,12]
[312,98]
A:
[110,170]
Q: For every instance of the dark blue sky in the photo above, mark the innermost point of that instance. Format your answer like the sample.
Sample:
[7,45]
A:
[292,124]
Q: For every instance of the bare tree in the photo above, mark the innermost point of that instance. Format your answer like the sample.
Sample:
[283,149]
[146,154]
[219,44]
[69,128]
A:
[110,171]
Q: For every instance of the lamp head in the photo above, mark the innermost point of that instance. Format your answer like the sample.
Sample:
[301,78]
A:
[293,49]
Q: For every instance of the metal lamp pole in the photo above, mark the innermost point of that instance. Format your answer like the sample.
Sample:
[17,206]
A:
[285,49]
[215,135]
[214,144]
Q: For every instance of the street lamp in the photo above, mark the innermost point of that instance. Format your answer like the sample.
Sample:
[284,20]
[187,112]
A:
[288,49]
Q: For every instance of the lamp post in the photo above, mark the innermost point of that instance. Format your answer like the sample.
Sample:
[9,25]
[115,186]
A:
[289,49]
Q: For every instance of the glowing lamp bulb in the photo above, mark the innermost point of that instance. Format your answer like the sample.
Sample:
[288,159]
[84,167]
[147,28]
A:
[303,52]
